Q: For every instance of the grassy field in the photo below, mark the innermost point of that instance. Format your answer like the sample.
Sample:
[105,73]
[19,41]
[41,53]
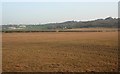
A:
[95,29]
[60,52]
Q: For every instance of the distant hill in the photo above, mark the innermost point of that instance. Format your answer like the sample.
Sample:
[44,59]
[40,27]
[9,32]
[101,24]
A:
[108,22]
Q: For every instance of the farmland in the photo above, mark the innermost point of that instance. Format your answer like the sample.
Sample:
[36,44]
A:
[60,52]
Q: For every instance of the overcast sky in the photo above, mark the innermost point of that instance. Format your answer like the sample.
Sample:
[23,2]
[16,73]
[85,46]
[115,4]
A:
[51,12]
[59,0]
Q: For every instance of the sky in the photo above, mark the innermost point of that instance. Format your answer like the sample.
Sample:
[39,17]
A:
[59,0]
[54,12]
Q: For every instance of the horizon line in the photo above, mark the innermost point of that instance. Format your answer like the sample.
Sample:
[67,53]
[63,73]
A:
[60,21]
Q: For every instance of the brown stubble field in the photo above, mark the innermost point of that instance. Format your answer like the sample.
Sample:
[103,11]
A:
[60,52]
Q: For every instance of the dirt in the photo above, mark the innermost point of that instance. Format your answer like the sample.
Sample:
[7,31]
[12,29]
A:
[60,52]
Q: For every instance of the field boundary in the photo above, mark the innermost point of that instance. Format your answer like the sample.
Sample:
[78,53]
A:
[62,31]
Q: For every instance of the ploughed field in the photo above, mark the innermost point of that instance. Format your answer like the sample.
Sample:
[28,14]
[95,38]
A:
[60,52]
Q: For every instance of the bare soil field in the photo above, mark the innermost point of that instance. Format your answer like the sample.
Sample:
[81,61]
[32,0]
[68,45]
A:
[60,52]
